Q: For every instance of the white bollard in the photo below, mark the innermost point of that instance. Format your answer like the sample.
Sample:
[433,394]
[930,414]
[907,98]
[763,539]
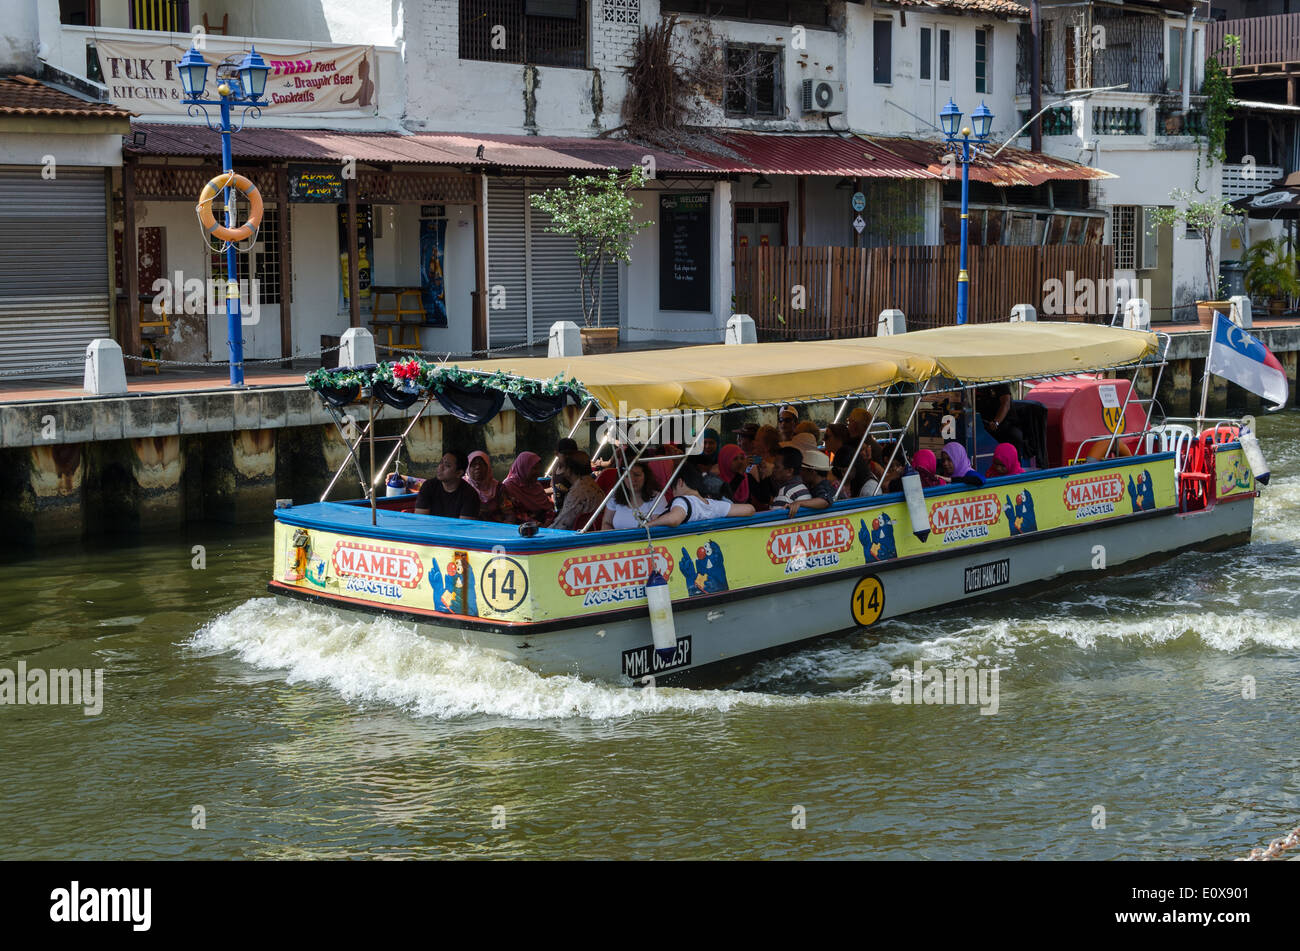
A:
[1024,313]
[357,347]
[1137,314]
[891,322]
[1239,313]
[565,340]
[740,329]
[105,371]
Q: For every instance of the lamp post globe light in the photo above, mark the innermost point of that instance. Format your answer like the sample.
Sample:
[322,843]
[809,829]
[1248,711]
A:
[964,142]
[244,87]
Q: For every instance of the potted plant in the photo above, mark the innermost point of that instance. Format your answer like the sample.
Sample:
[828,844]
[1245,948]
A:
[1271,272]
[598,214]
[1205,218]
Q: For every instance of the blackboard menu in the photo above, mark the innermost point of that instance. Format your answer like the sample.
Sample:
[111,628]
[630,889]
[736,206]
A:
[321,183]
[685,252]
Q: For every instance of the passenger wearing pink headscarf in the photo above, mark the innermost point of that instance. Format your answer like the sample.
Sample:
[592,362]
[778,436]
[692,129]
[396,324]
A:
[479,475]
[954,463]
[924,462]
[1006,461]
[523,498]
[737,484]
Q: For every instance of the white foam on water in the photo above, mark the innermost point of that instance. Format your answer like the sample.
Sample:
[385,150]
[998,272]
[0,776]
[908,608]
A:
[1276,512]
[385,661]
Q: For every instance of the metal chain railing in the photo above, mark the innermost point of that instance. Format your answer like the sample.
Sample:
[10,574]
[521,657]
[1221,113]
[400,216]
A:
[44,366]
[1274,848]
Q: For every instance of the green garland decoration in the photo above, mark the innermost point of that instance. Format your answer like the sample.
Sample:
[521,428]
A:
[434,377]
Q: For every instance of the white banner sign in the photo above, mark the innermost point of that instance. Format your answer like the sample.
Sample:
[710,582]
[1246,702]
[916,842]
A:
[142,77]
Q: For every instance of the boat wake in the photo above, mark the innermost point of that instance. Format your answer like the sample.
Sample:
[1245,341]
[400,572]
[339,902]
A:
[383,661]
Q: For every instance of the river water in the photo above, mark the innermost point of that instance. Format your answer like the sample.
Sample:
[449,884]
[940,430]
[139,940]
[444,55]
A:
[286,733]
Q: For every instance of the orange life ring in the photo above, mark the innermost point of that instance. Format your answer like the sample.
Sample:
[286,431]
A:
[246,188]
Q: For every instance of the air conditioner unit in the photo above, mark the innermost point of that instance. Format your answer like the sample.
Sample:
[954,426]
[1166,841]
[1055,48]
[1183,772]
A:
[823,95]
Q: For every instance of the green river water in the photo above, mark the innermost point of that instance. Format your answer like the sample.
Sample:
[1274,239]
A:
[304,736]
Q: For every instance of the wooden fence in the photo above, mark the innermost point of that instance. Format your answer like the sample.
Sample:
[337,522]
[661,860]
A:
[843,290]
[1265,41]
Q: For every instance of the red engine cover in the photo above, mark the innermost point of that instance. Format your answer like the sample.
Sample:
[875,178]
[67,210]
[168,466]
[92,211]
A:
[1076,411]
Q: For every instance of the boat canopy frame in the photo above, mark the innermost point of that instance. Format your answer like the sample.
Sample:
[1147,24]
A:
[915,375]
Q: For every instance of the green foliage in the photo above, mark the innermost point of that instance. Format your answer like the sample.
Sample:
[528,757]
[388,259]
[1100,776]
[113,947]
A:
[1271,269]
[598,214]
[429,376]
[1206,217]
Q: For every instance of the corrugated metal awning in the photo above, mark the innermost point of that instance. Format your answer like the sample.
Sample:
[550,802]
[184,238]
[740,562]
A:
[1012,166]
[517,152]
[765,153]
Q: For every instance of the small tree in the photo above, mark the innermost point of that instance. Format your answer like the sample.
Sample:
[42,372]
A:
[1206,217]
[597,213]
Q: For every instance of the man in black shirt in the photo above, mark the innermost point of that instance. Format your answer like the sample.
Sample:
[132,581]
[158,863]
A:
[447,493]
[1019,422]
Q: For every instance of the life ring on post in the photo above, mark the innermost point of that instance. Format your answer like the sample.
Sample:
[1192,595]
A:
[246,188]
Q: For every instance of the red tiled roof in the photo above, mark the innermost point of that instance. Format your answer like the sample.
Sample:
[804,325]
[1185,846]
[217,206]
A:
[765,153]
[1000,7]
[24,96]
[1012,166]
[429,148]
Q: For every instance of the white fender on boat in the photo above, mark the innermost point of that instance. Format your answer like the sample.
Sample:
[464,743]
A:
[661,614]
[1254,455]
[916,509]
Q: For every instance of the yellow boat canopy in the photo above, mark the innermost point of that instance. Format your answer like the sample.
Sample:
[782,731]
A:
[994,352]
[716,375]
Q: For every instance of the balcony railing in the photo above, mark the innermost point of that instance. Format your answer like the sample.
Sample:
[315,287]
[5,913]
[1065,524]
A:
[1270,41]
[164,16]
[1171,120]
[1143,120]
[1117,120]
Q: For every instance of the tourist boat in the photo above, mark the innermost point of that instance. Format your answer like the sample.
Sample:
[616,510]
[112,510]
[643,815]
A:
[577,602]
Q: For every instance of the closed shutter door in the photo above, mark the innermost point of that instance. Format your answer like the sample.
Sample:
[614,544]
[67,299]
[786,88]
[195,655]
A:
[506,266]
[555,294]
[53,269]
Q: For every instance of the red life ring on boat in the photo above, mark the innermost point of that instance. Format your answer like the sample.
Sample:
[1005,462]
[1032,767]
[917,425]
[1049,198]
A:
[246,188]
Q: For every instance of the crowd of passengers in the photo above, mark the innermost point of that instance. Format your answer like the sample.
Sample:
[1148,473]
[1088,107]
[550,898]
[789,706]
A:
[793,466]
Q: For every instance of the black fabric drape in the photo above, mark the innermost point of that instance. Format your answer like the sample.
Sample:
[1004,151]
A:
[394,396]
[472,405]
[540,408]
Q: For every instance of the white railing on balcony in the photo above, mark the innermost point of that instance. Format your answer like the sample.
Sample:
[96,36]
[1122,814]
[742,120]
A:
[1247,178]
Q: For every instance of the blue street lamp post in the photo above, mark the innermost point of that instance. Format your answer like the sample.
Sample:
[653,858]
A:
[950,121]
[246,91]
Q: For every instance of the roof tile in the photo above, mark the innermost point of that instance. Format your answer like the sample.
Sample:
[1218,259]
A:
[24,96]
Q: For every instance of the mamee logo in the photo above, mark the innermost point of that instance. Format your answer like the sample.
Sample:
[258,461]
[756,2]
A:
[1096,495]
[966,518]
[614,570]
[398,566]
[835,535]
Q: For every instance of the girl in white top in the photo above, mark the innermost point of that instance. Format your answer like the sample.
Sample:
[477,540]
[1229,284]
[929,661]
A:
[636,494]
[689,506]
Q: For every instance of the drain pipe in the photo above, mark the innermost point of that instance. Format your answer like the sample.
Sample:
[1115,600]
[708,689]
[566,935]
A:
[1189,44]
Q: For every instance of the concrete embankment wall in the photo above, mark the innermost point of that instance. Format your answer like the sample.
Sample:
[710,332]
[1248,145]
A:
[74,468]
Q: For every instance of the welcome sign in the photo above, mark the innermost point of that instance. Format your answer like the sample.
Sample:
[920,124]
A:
[142,77]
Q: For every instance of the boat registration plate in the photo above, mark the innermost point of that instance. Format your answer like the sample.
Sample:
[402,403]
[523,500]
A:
[640,661]
[993,574]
